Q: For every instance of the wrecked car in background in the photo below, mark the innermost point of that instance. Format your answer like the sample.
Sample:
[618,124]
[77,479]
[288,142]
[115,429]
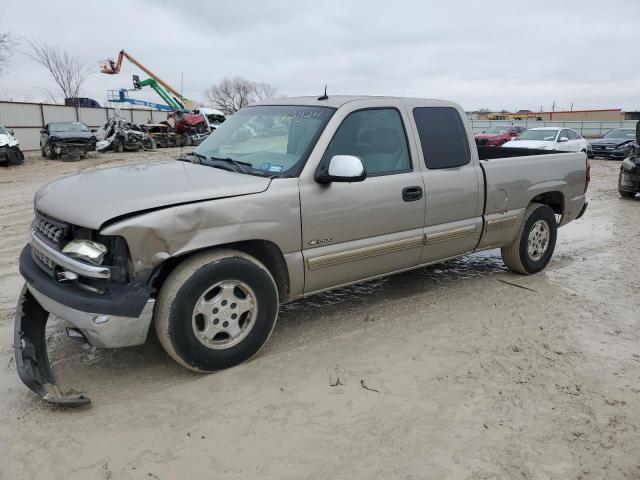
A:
[325,192]
[616,144]
[213,116]
[119,135]
[164,135]
[193,127]
[10,152]
[629,179]
[73,139]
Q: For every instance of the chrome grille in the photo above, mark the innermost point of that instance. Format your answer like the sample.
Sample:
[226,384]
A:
[45,262]
[50,230]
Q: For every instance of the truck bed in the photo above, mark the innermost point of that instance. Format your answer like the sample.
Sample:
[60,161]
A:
[489,153]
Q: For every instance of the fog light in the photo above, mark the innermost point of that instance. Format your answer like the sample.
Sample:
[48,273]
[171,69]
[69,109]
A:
[86,249]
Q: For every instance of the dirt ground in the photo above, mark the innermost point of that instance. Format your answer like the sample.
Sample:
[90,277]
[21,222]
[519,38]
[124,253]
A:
[446,372]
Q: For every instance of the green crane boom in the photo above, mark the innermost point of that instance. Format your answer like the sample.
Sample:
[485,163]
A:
[173,102]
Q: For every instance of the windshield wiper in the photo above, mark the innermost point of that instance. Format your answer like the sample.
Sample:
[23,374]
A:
[240,167]
[193,157]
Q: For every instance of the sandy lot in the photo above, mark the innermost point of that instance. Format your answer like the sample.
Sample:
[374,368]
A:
[467,376]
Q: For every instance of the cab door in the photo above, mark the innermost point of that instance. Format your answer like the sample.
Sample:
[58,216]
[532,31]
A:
[353,231]
[454,185]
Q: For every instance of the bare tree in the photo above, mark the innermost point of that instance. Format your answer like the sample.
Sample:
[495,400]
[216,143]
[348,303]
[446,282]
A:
[7,43]
[264,91]
[67,70]
[230,95]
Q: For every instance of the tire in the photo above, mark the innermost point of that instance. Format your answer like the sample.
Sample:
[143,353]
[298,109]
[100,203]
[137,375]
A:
[185,140]
[624,194]
[149,144]
[48,151]
[182,332]
[117,146]
[517,256]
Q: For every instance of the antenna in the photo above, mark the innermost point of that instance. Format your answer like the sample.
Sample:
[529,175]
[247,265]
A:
[324,96]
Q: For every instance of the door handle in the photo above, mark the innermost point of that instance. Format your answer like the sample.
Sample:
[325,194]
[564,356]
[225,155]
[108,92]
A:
[411,194]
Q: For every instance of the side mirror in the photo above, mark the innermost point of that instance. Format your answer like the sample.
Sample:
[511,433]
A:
[341,168]
[11,133]
[563,139]
[94,130]
[43,131]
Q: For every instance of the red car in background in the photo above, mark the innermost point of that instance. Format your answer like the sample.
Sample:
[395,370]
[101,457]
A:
[498,135]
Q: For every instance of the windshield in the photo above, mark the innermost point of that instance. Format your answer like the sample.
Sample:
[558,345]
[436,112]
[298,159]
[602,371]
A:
[273,139]
[68,127]
[542,135]
[622,134]
[497,130]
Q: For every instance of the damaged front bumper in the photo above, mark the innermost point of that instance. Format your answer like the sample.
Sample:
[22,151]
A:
[72,148]
[117,318]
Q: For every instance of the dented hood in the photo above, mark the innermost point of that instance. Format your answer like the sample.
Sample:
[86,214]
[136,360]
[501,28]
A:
[91,199]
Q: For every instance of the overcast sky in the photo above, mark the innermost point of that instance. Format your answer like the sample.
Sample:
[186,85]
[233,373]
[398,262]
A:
[495,54]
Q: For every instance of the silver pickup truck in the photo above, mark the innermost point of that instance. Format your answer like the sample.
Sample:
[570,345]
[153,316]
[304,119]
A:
[286,199]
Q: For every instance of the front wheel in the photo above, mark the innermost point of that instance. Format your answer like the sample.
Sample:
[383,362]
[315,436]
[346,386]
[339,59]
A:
[216,310]
[48,151]
[535,242]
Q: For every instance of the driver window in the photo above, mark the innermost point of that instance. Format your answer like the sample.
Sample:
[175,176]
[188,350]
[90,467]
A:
[375,136]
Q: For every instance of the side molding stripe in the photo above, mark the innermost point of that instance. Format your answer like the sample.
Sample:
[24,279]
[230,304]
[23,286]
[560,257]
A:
[498,223]
[452,234]
[332,259]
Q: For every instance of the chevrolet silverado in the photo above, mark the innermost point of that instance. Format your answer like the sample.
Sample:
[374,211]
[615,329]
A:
[286,199]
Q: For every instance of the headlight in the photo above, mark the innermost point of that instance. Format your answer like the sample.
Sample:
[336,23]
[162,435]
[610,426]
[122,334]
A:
[86,250]
[623,147]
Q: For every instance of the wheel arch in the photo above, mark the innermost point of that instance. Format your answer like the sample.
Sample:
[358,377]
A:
[553,199]
[265,251]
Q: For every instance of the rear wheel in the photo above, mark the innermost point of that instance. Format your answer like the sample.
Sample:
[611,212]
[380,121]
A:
[535,242]
[216,310]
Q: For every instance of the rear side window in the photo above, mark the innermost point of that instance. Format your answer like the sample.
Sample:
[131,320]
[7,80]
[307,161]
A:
[442,136]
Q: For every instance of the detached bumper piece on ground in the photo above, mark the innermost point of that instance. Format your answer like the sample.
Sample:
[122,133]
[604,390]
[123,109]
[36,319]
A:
[32,360]
[118,317]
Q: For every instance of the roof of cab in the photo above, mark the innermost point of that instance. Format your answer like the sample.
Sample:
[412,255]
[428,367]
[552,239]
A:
[335,101]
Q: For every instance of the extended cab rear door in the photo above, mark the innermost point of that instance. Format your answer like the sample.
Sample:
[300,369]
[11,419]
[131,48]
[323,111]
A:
[454,185]
[353,231]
